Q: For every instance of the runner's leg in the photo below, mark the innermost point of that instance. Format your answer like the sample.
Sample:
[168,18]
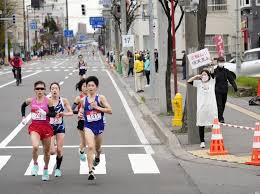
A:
[90,139]
[35,138]
[60,143]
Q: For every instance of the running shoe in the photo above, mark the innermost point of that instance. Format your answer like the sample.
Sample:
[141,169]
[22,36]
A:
[57,173]
[82,156]
[34,170]
[91,175]
[45,176]
[96,161]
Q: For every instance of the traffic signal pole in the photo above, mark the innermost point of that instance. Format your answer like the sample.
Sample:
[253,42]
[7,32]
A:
[6,35]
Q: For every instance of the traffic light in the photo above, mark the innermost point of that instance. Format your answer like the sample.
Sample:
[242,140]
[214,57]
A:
[83,10]
[13,16]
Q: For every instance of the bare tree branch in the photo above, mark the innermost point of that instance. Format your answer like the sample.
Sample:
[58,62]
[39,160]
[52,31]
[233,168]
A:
[181,18]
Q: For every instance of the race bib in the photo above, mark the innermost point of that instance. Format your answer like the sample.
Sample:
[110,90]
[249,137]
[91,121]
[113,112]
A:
[93,116]
[82,67]
[39,115]
[56,121]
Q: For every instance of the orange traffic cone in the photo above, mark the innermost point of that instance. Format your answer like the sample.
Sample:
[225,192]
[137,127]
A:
[258,89]
[255,158]
[217,142]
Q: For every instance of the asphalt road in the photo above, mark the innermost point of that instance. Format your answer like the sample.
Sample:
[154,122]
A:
[129,164]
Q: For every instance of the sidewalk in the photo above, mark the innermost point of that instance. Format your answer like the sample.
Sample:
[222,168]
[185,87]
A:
[237,141]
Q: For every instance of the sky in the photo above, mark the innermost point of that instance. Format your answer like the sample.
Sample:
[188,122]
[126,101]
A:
[75,14]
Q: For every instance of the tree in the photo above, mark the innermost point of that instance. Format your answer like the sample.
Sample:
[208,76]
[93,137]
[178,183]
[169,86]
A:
[166,7]
[50,28]
[202,19]
[131,8]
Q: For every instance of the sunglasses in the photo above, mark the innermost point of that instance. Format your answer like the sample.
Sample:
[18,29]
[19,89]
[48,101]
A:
[39,88]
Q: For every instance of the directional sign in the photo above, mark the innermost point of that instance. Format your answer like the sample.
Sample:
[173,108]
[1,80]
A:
[128,40]
[97,21]
[68,33]
[33,25]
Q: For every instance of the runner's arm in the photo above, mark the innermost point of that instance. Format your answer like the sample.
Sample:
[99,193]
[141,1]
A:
[51,112]
[68,107]
[24,105]
[75,105]
[106,106]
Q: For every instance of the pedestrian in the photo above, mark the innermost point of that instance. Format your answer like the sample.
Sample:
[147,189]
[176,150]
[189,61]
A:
[156,60]
[184,65]
[147,68]
[131,64]
[93,108]
[125,64]
[223,76]
[139,71]
[60,104]
[206,102]
[40,129]
[82,88]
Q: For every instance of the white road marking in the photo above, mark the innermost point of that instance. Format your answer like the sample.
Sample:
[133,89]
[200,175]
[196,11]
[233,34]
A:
[59,64]
[70,73]
[3,161]
[76,146]
[100,169]
[23,78]
[57,70]
[41,165]
[94,70]
[2,73]
[138,130]
[12,135]
[33,64]
[47,70]
[66,70]
[143,164]
[28,71]
[66,77]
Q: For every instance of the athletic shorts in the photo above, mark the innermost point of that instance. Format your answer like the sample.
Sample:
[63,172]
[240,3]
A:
[80,125]
[82,72]
[58,129]
[97,129]
[44,130]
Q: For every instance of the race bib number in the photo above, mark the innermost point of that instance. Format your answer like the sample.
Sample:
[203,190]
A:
[39,115]
[93,116]
[56,121]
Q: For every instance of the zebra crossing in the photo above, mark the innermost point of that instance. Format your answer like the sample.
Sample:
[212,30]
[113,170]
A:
[140,164]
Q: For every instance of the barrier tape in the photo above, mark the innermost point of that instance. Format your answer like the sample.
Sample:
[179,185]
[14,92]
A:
[237,126]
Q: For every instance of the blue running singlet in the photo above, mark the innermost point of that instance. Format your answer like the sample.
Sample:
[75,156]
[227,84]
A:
[57,123]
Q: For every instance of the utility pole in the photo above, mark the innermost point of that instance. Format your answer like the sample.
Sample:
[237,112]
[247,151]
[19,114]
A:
[67,19]
[6,34]
[24,32]
[238,62]
[191,92]
[151,52]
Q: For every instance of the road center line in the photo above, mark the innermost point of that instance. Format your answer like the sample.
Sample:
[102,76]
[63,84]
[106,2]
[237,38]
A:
[130,114]
[23,78]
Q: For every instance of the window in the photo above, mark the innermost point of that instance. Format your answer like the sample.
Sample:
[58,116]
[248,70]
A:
[245,3]
[217,5]
[257,2]
[209,43]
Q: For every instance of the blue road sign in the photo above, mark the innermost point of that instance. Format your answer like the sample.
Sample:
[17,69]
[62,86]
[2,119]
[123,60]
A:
[68,33]
[33,25]
[97,21]
[82,37]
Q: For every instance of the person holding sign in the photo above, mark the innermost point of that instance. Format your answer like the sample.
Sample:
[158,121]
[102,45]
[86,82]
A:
[40,129]
[93,108]
[206,101]
[57,124]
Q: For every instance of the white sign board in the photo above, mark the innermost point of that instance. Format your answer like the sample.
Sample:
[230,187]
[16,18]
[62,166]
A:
[199,58]
[128,40]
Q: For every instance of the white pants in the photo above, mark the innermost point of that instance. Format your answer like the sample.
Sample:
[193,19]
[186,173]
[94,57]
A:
[139,81]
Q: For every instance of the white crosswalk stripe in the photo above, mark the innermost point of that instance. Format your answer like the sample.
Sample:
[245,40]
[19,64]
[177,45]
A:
[140,164]
[41,165]
[100,169]
[3,161]
[143,164]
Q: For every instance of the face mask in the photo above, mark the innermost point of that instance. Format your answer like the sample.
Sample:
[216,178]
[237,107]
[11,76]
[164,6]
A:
[205,78]
[221,65]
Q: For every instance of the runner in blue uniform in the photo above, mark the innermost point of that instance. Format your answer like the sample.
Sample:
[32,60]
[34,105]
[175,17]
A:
[93,108]
[60,104]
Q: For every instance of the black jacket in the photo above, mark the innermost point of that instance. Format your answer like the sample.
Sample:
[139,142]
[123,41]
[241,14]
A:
[223,76]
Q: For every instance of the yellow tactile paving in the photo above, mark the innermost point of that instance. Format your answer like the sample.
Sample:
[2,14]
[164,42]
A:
[227,158]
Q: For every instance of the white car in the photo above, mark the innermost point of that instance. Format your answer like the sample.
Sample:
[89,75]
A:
[250,65]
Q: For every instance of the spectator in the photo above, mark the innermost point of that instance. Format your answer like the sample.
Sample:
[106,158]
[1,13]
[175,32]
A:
[139,69]
[131,65]
[147,67]
[223,76]
[125,64]
[206,101]
[156,62]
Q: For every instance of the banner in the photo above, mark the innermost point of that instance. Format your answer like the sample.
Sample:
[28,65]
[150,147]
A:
[218,40]
[199,58]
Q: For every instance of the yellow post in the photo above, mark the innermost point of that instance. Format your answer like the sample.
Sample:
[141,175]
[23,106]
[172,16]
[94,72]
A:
[177,107]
